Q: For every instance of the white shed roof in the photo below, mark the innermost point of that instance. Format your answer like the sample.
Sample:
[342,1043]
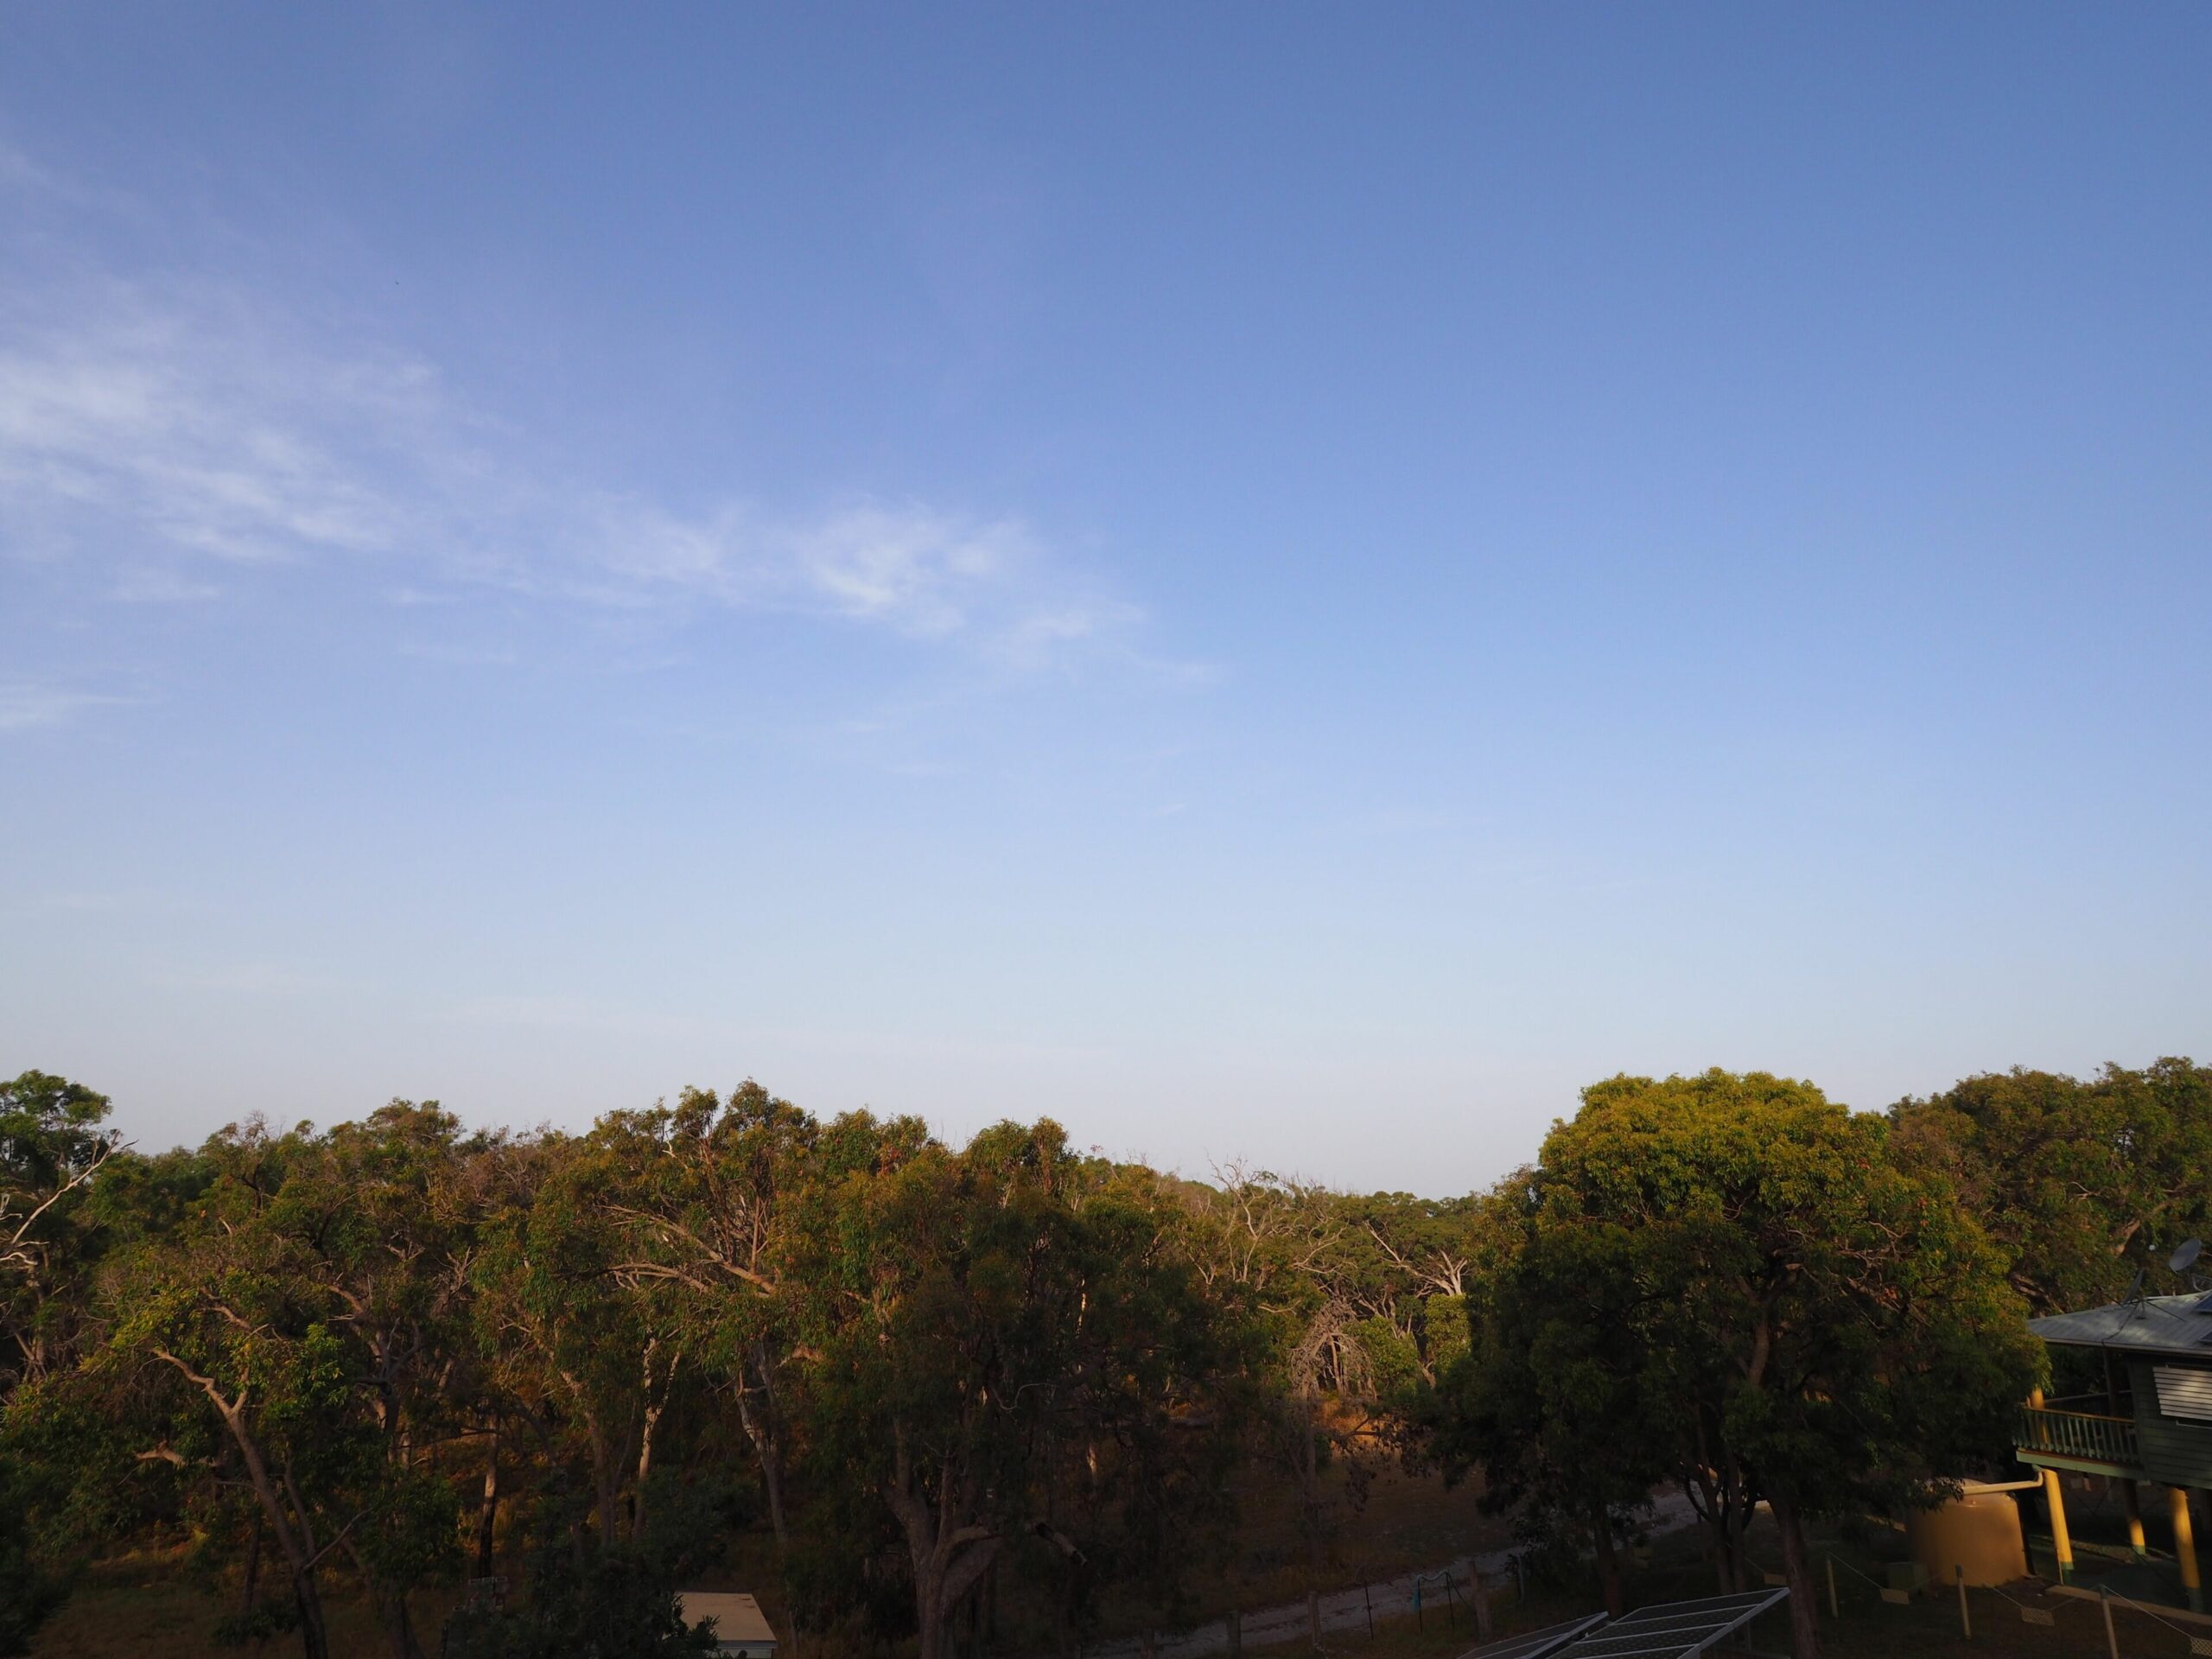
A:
[737,1618]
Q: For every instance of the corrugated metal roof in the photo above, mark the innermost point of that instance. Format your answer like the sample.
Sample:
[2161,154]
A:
[2169,1325]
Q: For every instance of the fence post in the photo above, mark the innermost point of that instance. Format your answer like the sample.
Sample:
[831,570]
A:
[1367,1598]
[1834,1611]
[1235,1620]
[1966,1621]
[1478,1592]
[2111,1636]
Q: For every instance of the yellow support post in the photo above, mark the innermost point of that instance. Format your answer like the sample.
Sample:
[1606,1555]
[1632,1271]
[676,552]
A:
[2134,1503]
[2186,1547]
[2061,1541]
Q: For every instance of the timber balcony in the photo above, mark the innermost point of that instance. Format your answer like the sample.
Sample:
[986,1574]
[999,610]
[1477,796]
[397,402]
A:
[2092,1442]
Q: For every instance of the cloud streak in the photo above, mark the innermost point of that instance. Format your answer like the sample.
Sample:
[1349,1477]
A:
[172,438]
[29,707]
[190,435]
[912,568]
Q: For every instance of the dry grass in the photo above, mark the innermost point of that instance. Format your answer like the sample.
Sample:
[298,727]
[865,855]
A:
[138,1606]
[144,1605]
[1400,1524]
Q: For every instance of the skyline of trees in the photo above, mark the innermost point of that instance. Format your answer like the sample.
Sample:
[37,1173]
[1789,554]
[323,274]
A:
[950,1388]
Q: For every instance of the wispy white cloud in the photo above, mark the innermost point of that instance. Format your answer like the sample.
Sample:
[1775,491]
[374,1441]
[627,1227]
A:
[168,436]
[911,568]
[24,707]
[23,177]
[186,424]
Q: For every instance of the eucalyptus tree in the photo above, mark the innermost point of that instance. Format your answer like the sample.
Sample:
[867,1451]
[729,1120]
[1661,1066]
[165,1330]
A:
[1006,1343]
[53,1149]
[233,1310]
[695,1199]
[586,1366]
[1276,1246]
[312,1305]
[1406,1264]
[2083,1185]
[1362,1300]
[390,1223]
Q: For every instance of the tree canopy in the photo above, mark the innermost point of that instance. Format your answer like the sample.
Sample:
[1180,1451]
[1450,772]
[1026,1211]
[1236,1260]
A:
[1731,1281]
[553,1375]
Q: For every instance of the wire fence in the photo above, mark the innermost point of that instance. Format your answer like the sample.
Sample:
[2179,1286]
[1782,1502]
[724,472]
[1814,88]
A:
[2040,1613]
[1840,1582]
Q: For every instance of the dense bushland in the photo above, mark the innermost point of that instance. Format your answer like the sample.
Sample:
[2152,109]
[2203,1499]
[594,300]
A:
[549,1376]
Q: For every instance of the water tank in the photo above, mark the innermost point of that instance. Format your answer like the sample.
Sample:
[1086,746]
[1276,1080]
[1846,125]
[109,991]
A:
[1978,1530]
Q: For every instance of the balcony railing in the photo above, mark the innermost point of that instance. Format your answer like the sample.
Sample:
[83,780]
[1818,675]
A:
[2084,1437]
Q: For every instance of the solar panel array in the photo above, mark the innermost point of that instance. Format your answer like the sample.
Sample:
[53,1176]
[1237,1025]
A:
[1537,1644]
[1674,1629]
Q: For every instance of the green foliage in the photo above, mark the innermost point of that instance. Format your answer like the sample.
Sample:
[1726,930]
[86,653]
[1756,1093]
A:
[52,1144]
[1012,1349]
[1734,1282]
[2081,1184]
[29,1590]
[1834,1308]
[1444,1335]
[49,1128]
[620,1605]
[256,1624]
[387,1349]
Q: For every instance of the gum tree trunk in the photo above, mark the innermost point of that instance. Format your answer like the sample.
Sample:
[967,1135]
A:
[1609,1565]
[1797,1567]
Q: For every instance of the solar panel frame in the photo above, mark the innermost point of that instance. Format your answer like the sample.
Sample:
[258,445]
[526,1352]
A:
[1536,1644]
[1675,1629]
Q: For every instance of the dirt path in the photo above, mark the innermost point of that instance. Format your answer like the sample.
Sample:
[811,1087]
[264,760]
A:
[1347,1609]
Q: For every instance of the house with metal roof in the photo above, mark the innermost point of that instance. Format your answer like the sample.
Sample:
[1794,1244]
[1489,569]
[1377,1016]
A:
[2151,1422]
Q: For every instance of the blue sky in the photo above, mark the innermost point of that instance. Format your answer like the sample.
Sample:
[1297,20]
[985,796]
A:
[1278,582]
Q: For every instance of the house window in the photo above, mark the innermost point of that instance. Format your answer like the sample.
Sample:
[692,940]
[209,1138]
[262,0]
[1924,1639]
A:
[2184,1393]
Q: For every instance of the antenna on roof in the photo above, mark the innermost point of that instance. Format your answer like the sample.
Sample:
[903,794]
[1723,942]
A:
[2186,1257]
